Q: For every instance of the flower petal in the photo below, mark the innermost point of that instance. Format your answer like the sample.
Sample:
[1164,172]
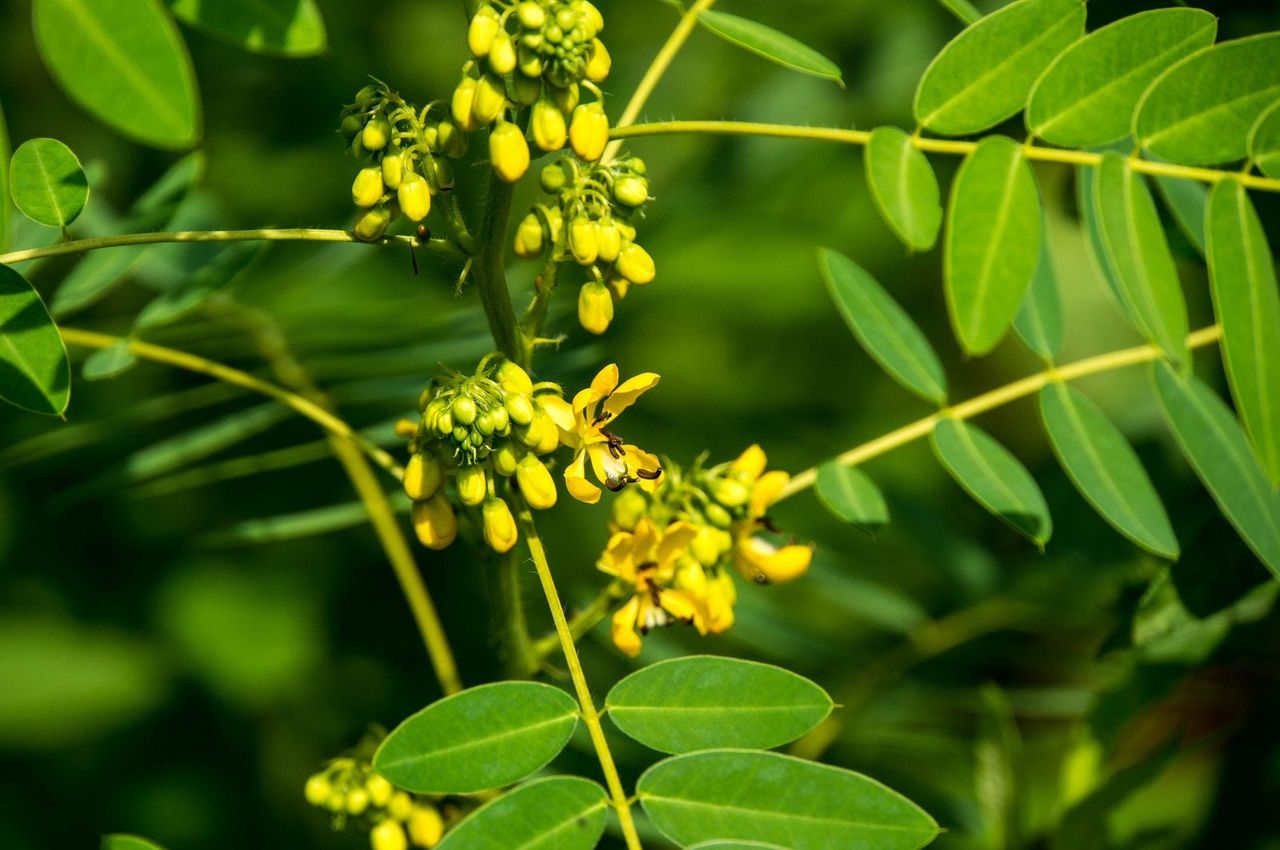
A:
[609,470]
[675,540]
[751,462]
[761,560]
[767,490]
[631,389]
[624,628]
[558,409]
[605,381]
[575,481]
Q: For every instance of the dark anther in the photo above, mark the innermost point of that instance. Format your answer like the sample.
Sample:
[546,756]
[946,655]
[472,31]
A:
[650,474]
[602,418]
[616,484]
[615,444]
[767,523]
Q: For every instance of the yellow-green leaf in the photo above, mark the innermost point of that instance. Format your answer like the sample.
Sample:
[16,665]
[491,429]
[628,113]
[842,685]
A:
[1264,142]
[35,373]
[47,183]
[767,42]
[851,495]
[904,187]
[284,27]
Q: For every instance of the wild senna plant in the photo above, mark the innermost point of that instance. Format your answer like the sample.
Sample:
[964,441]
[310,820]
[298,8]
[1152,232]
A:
[1147,96]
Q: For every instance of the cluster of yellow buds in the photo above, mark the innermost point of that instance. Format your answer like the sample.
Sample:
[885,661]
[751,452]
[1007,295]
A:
[407,151]
[540,54]
[481,439]
[673,547]
[589,216]
[353,793]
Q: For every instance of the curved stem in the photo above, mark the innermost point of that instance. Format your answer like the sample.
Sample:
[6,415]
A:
[995,398]
[490,270]
[943,146]
[589,714]
[297,234]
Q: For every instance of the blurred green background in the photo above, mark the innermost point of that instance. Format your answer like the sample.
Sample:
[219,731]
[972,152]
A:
[170,667]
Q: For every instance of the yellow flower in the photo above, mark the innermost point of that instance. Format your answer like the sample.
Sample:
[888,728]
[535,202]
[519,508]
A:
[645,560]
[615,463]
[755,557]
[712,591]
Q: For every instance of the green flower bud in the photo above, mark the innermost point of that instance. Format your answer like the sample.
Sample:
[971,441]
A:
[484,28]
[553,178]
[595,307]
[608,240]
[520,409]
[444,423]
[531,15]
[508,152]
[549,129]
[718,515]
[366,95]
[635,264]
[582,240]
[461,435]
[535,483]
[499,525]
[489,101]
[373,224]
[529,239]
[443,173]
[530,63]
[464,410]
[393,170]
[566,98]
[350,126]
[502,54]
[452,140]
[526,88]
[376,134]
[632,191]
[414,195]
[472,485]
[501,421]
[589,131]
[367,189]
[730,493]
[505,460]
[512,378]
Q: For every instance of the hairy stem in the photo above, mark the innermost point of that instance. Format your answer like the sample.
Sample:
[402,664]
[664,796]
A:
[520,658]
[490,270]
[536,316]
[589,714]
[583,621]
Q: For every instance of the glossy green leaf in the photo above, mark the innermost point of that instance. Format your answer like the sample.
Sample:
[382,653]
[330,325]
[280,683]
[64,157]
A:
[284,27]
[1040,323]
[777,799]
[1105,469]
[851,495]
[772,45]
[1247,303]
[128,842]
[1087,96]
[47,183]
[904,187]
[1138,253]
[4,180]
[482,738]
[883,328]
[125,62]
[992,246]
[109,362]
[1186,200]
[556,813]
[1216,446]
[35,373]
[993,477]
[984,74]
[1200,111]
[701,702]
[1264,142]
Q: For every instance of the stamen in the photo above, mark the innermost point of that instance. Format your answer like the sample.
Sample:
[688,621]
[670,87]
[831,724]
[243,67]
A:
[650,474]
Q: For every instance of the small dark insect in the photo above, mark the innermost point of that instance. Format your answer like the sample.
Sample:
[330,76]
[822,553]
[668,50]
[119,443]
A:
[424,233]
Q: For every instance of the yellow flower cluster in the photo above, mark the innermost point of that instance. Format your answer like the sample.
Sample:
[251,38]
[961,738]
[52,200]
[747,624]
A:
[406,152]
[590,217]
[349,790]
[673,546]
[540,54]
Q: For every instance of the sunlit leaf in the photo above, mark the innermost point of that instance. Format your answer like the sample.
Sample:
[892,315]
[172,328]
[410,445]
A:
[904,187]
[556,813]
[1105,469]
[108,362]
[482,738]
[992,245]
[286,27]
[35,373]
[984,74]
[1247,303]
[1264,142]
[1087,96]
[128,842]
[772,798]
[769,43]
[702,702]
[47,183]
[1040,323]
[1186,199]
[884,328]
[1200,111]
[125,62]
[851,495]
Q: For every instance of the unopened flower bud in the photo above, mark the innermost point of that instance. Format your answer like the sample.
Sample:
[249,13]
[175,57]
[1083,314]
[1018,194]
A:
[549,129]
[414,195]
[529,237]
[502,54]
[485,26]
[730,493]
[461,106]
[499,525]
[718,515]
[452,141]
[589,131]
[532,16]
[566,98]
[628,507]
[380,790]
[553,178]
[357,801]
[388,835]
[529,61]
[600,62]
[505,460]
[706,546]
[392,170]
[376,134]
[590,15]
[635,264]
[508,152]
[423,475]
[434,522]
[514,379]
[370,226]
[549,435]
[582,240]
[526,88]
[631,190]
[535,483]
[520,409]
[489,101]
[317,789]
[401,806]
[426,827]
[595,307]
[464,410]
[367,189]
[472,485]
[608,241]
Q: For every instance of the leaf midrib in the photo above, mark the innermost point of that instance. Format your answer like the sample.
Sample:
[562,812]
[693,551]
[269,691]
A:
[474,743]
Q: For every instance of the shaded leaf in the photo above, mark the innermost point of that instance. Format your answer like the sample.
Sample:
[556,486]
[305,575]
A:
[1092,230]
[35,373]
[47,183]
[904,187]
[128,842]
[1165,632]
[108,362]
[285,27]
[984,74]
[964,11]
[765,41]
[478,739]
[851,495]
[1186,199]
[999,772]
[177,302]
[1264,142]
[556,813]
[308,523]
[992,245]
[4,180]
[1040,323]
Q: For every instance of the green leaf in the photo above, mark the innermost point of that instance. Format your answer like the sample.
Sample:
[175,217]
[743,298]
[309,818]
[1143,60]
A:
[1105,469]
[765,41]
[701,702]
[226,268]
[904,187]
[964,11]
[283,27]
[993,477]
[128,842]
[1138,253]
[109,362]
[1200,111]
[1089,223]
[1247,303]
[47,183]
[4,180]
[556,813]
[753,796]
[851,495]
[737,845]
[1040,323]
[883,328]
[1087,96]
[1217,449]
[35,373]
[984,74]
[125,62]
[992,246]
[1186,200]
[1264,142]
[300,524]
[482,738]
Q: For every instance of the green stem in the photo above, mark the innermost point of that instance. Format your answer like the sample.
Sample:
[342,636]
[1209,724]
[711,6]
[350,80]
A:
[490,270]
[583,621]
[521,659]
[536,316]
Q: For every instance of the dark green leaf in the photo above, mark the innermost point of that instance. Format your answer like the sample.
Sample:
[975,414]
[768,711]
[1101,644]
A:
[127,842]
[1040,322]
[4,180]
[1264,142]
[227,267]
[556,813]
[286,27]
[108,362]
[904,187]
[482,738]
[47,183]
[35,373]
[851,495]
[771,44]
[1186,199]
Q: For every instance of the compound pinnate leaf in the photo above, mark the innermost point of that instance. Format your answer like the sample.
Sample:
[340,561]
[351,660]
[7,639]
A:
[481,738]
[1215,444]
[904,187]
[1247,303]
[47,183]
[1200,111]
[747,795]
[1087,96]
[993,477]
[284,27]
[767,42]
[1137,252]
[851,495]
[1105,469]
[884,328]
[556,813]
[1186,200]
[992,245]
[35,373]
[125,62]
[702,702]
[1264,142]
[984,74]
[1040,323]
[128,842]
